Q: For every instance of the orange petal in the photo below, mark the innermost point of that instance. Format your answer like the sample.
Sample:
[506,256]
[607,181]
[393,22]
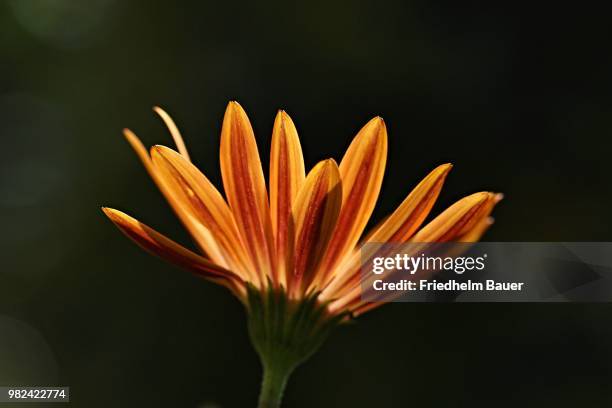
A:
[204,205]
[141,151]
[409,216]
[361,170]
[315,212]
[201,235]
[351,301]
[455,220]
[173,129]
[365,307]
[484,220]
[477,231]
[398,227]
[464,221]
[159,245]
[245,187]
[286,178]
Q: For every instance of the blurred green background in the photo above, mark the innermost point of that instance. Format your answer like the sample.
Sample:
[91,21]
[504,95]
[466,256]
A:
[519,99]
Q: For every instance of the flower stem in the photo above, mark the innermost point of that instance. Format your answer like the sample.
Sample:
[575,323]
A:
[285,333]
[275,378]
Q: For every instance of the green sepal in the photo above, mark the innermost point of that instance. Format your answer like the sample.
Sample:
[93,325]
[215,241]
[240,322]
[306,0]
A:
[285,332]
[287,328]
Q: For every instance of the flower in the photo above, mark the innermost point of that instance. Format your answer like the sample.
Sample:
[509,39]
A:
[291,257]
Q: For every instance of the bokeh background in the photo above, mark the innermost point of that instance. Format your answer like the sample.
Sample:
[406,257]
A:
[519,99]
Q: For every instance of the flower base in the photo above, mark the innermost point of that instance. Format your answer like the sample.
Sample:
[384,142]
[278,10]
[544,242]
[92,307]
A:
[285,333]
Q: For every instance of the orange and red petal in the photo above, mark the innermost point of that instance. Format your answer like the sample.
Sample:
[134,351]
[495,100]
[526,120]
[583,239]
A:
[157,244]
[315,213]
[204,205]
[361,171]
[245,188]
[286,178]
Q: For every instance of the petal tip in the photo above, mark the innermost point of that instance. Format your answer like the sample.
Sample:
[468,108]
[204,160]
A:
[157,149]
[328,164]
[235,113]
[379,122]
[111,213]
[380,130]
[160,151]
[131,138]
[330,161]
[444,169]
[479,197]
[373,133]
[282,116]
[234,105]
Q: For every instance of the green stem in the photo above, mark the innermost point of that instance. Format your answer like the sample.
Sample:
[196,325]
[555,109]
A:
[275,378]
[284,332]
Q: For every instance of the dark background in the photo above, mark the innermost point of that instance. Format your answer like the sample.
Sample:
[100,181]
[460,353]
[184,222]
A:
[519,99]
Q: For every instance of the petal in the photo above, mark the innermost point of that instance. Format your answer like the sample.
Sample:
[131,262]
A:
[361,170]
[455,220]
[400,225]
[409,216]
[477,231]
[141,152]
[245,187]
[176,135]
[286,178]
[315,212]
[204,205]
[159,245]
[365,307]
[463,221]
[484,221]
[199,233]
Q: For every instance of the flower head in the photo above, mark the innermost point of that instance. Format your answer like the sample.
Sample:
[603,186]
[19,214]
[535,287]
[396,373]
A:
[291,257]
[303,237]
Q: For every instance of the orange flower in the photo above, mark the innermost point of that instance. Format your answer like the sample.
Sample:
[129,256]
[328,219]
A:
[304,238]
[292,258]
